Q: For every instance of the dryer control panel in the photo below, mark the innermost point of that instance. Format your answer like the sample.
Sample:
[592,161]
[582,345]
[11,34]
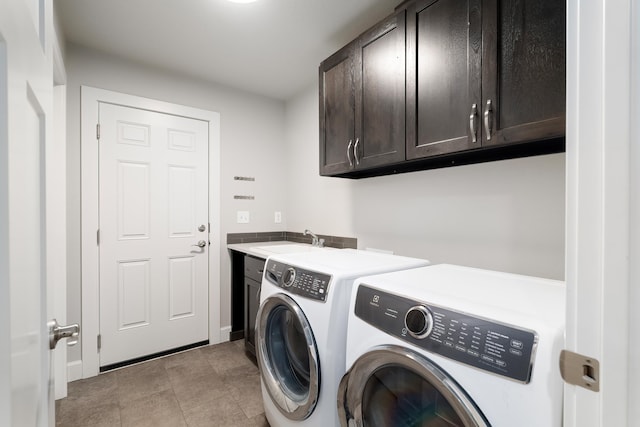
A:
[485,344]
[306,283]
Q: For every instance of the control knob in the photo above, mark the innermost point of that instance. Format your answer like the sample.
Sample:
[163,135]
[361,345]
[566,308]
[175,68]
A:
[418,321]
[289,277]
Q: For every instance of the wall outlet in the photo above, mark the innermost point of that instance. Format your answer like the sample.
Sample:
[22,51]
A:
[243,217]
[277,217]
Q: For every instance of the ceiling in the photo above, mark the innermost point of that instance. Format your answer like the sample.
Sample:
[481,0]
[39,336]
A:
[271,47]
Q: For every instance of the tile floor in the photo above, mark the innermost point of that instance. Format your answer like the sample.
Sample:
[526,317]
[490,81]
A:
[208,386]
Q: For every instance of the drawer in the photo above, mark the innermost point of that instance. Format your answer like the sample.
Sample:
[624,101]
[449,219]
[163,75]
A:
[253,268]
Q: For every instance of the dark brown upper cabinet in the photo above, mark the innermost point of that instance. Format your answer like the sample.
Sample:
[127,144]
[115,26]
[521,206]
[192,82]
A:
[483,73]
[523,70]
[443,76]
[362,101]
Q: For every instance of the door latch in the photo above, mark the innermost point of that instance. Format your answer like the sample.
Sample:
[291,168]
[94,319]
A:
[57,332]
[580,370]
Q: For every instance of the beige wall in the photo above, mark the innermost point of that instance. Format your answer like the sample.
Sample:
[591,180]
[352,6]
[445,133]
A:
[252,144]
[506,215]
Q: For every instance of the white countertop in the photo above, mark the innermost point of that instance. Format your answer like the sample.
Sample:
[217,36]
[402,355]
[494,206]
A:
[265,249]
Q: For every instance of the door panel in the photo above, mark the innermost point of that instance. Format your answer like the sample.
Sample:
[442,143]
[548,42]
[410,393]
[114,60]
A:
[182,201]
[133,294]
[444,49]
[153,197]
[380,94]
[182,287]
[133,200]
[337,111]
[524,69]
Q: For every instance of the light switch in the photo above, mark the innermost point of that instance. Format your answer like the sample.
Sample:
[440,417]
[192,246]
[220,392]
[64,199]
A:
[277,217]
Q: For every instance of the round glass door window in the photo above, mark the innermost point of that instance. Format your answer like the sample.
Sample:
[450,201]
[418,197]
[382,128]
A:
[288,357]
[395,386]
[396,396]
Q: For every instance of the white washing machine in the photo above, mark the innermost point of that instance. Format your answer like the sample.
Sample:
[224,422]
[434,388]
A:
[453,346]
[301,330]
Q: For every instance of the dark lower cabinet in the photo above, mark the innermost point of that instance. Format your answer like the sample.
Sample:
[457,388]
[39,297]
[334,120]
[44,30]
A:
[252,303]
[253,268]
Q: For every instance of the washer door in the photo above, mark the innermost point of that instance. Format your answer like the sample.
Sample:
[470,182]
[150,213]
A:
[395,386]
[287,356]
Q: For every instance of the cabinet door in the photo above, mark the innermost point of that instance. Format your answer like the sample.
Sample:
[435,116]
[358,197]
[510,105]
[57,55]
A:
[380,94]
[252,303]
[443,77]
[337,112]
[523,76]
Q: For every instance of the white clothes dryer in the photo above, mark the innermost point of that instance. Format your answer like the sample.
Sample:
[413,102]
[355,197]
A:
[301,330]
[453,346]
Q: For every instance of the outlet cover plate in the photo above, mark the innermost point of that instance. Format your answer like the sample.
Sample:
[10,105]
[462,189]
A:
[243,217]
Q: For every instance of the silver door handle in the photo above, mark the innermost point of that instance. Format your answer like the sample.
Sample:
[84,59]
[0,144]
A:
[200,244]
[202,227]
[355,151]
[488,119]
[472,122]
[349,152]
[57,332]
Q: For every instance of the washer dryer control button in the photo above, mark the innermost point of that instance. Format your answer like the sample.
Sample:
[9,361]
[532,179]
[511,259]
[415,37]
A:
[288,277]
[418,321]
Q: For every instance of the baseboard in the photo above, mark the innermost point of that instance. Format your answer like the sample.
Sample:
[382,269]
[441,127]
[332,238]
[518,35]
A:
[74,370]
[225,332]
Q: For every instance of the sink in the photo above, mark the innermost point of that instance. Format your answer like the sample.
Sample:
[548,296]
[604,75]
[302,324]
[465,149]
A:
[286,249]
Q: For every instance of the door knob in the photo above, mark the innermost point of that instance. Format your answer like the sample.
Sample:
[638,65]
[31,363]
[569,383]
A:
[57,332]
[202,227]
[200,244]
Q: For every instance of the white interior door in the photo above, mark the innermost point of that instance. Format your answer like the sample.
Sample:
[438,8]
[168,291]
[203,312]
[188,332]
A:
[153,198]
[25,110]
[29,358]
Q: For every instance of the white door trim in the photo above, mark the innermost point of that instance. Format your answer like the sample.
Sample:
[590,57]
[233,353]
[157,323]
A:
[602,160]
[90,300]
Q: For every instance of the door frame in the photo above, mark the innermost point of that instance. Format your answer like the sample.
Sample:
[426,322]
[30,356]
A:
[602,223]
[90,278]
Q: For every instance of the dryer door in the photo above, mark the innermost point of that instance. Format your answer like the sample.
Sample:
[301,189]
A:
[395,386]
[287,356]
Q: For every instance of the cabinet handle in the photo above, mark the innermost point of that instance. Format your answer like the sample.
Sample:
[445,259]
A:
[355,151]
[472,122]
[349,152]
[488,119]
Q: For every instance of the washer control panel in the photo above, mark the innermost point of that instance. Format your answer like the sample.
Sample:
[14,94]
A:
[306,283]
[482,343]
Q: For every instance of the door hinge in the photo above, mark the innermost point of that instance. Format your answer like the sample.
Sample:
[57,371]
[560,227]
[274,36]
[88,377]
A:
[98,131]
[580,370]
[99,341]
[98,237]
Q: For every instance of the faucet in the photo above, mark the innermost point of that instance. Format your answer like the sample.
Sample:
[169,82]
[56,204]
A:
[315,241]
